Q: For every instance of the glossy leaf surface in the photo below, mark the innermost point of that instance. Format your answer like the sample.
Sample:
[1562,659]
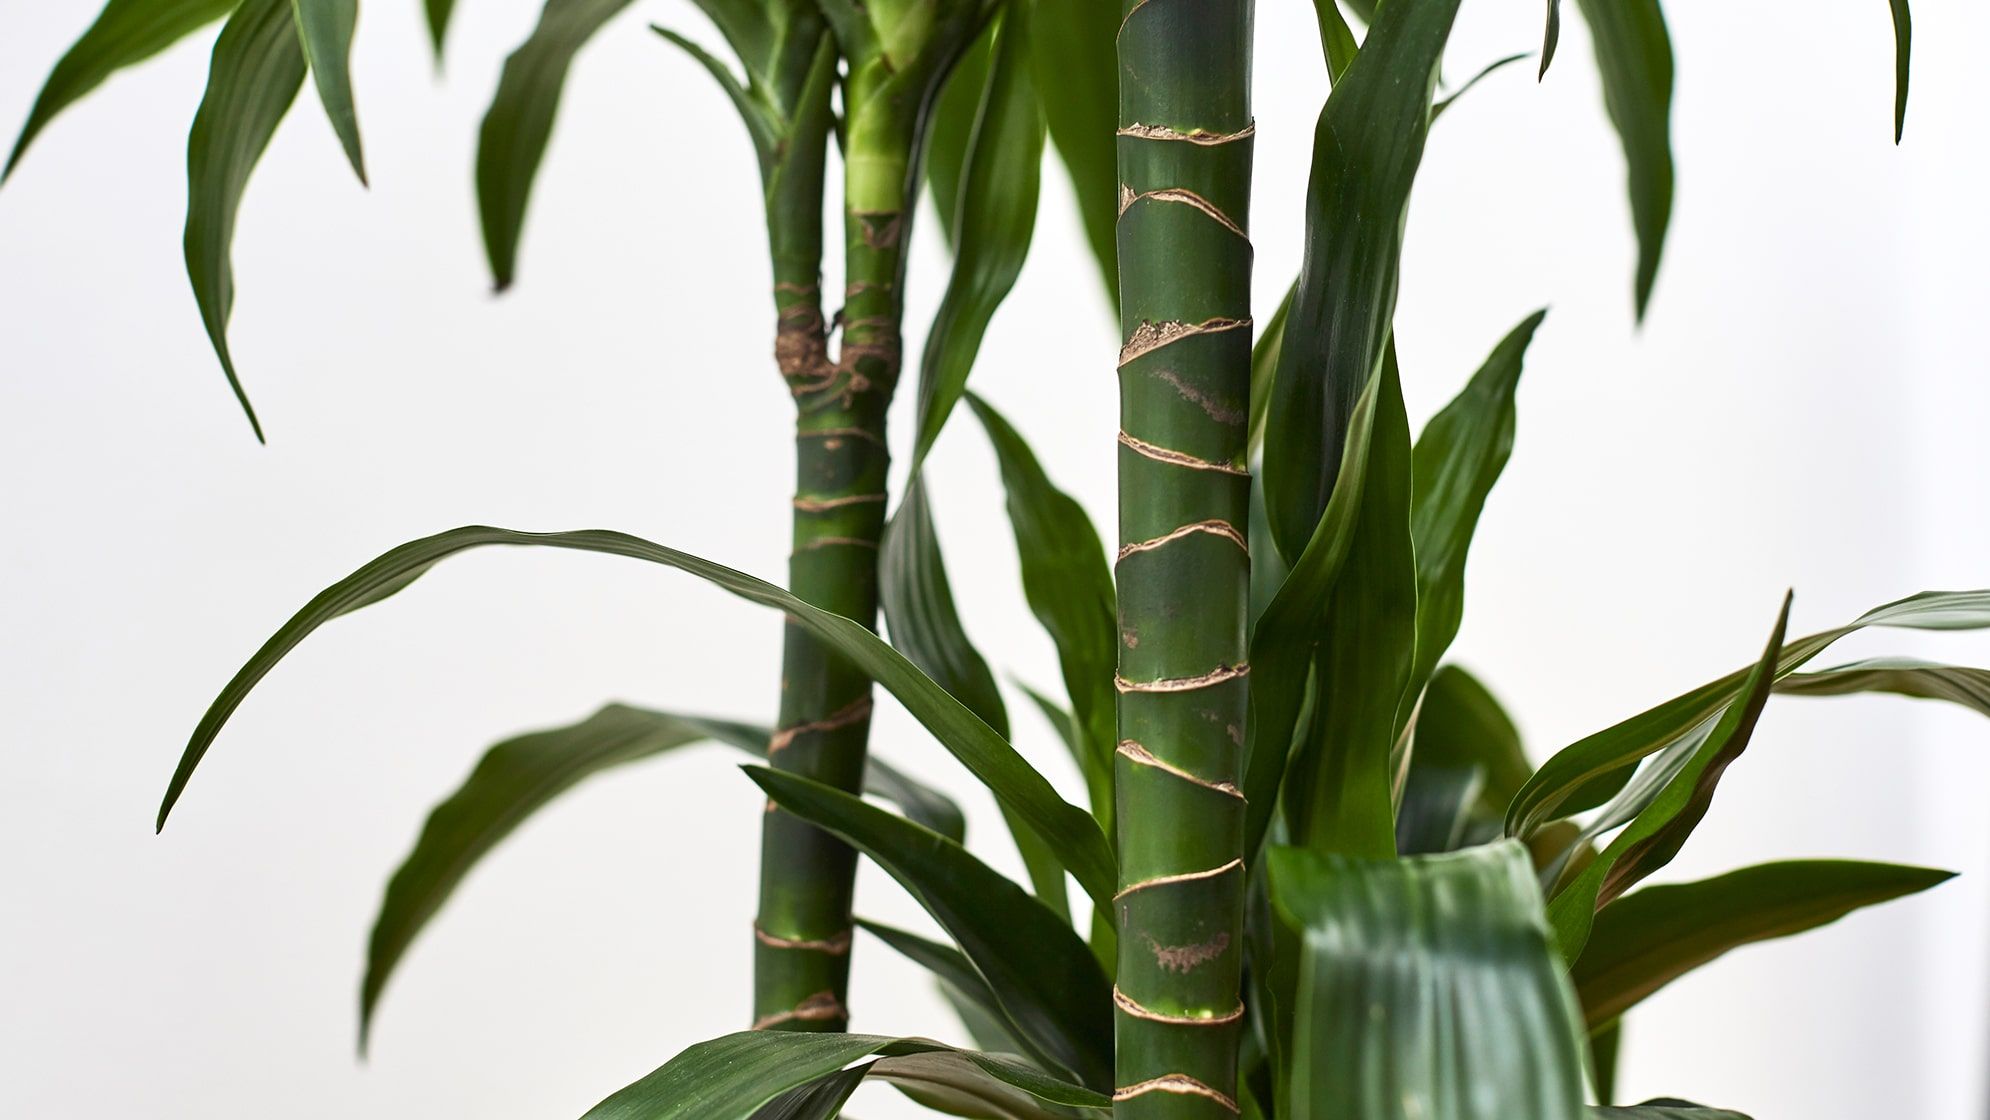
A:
[1068,830]
[1445,963]
[325,27]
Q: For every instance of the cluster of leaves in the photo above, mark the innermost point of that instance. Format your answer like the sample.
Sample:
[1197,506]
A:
[1407,859]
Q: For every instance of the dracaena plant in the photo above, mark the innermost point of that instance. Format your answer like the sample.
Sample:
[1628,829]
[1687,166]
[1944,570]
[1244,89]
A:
[1324,878]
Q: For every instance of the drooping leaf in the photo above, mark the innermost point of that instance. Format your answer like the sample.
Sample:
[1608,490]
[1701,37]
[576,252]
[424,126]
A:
[1339,794]
[1658,829]
[436,14]
[1901,676]
[1365,154]
[521,775]
[761,125]
[919,611]
[1457,459]
[325,27]
[1606,1047]
[997,213]
[1077,76]
[1069,589]
[125,33]
[256,71]
[728,1078]
[820,1101]
[1591,771]
[958,978]
[1289,627]
[1653,936]
[1069,830]
[520,121]
[1043,975]
[1903,51]
[1634,60]
[952,129]
[1445,963]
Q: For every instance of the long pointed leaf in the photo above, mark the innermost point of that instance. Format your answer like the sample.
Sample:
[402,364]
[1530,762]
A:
[125,33]
[325,28]
[1651,937]
[1903,52]
[521,775]
[1077,74]
[1366,150]
[1069,831]
[1444,962]
[1634,59]
[257,69]
[520,121]
[1042,973]
[1901,676]
[728,1078]
[958,978]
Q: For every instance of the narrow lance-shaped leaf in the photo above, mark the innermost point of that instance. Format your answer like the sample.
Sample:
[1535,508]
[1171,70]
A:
[1365,154]
[436,13]
[1069,589]
[1069,830]
[1634,59]
[1903,51]
[257,69]
[1443,104]
[1651,937]
[520,121]
[1551,36]
[125,33]
[521,775]
[952,129]
[960,981]
[1457,459]
[1336,38]
[1071,44]
[996,215]
[1591,771]
[325,28]
[730,1077]
[1460,726]
[1042,973]
[1901,676]
[1445,961]
[1339,794]
[1658,830]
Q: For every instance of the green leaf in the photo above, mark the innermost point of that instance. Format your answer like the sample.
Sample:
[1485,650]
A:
[952,129]
[1550,37]
[1336,38]
[1289,627]
[1264,370]
[1903,50]
[1365,154]
[1634,59]
[1444,962]
[1457,459]
[520,121]
[1606,1048]
[436,13]
[1902,676]
[255,74]
[1669,812]
[1438,107]
[997,212]
[958,978]
[1339,794]
[1591,771]
[761,126]
[919,610]
[1461,726]
[125,33]
[1043,975]
[325,28]
[820,1101]
[728,1078]
[1069,830]
[1070,590]
[1437,809]
[1077,73]
[1651,937]
[521,775]
[1663,1110]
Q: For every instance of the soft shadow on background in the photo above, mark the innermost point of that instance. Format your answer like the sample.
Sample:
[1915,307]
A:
[1804,406]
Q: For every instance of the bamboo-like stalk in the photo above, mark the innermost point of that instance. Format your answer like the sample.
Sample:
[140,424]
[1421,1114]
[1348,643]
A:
[802,934]
[1183,569]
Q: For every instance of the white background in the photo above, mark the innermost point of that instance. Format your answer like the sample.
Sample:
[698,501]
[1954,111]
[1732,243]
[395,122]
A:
[1803,407]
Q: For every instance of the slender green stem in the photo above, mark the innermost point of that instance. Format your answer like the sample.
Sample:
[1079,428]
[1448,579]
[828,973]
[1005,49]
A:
[1183,570]
[802,935]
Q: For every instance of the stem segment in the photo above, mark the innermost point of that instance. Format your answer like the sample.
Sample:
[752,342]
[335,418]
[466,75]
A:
[1183,571]
[802,936]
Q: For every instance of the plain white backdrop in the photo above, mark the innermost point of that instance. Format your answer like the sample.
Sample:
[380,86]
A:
[1804,407]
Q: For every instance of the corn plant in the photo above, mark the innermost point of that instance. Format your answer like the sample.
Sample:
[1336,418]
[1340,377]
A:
[1325,879]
